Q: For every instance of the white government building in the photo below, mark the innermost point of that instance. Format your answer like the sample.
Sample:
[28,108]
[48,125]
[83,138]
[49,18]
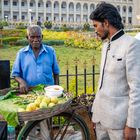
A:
[70,12]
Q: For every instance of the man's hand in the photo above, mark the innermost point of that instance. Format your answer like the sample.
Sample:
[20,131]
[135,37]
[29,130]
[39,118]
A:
[129,133]
[22,85]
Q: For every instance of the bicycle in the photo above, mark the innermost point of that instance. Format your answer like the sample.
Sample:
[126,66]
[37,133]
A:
[66,125]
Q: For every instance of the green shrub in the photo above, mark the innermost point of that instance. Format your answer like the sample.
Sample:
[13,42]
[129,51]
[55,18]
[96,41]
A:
[64,27]
[53,42]
[82,41]
[14,33]
[86,27]
[20,26]
[10,40]
[5,23]
[22,42]
[1,25]
[48,24]
[56,28]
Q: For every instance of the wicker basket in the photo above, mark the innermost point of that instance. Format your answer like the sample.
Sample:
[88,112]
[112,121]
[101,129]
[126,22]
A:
[43,113]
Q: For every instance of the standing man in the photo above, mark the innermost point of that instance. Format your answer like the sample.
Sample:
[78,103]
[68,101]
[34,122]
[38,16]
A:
[36,63]
[116,108]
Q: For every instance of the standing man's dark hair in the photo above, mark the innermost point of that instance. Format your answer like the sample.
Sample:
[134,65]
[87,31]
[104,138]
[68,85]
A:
[107,11]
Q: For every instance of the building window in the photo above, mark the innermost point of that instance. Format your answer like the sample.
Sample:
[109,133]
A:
[130,9]
[14,3]
[54,5]
[63,6]
[23,17]
[124,20]
[15,17]
[47,5]
[39,5]
[5,2]
[62,19]
[118,7]
[47,18]
[124,9]
[22,4]
[31,4]
[130,20]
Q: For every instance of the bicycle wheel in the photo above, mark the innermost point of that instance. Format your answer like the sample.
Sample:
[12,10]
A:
[64,126]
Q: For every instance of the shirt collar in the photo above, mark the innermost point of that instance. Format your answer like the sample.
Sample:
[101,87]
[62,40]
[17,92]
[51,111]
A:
[43,48]
[117,35]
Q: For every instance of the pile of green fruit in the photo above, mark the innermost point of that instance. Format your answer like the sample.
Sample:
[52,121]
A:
[43,102]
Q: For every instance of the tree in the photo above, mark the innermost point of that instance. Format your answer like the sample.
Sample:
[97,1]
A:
[1,25]
[48,24]
[86,26]
[64,27]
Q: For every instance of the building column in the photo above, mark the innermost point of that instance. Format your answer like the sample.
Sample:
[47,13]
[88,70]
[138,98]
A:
[29,12]
[127,14]
[67,12]
[36,7]
[52,14]
[121,13]
[44,7]
[88,13]
[20,11]
[74,12]
[2,10]
[60,12]
[11,10]
[81,12]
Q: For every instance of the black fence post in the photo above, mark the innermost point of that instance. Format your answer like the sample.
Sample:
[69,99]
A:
[76,74]
[76,79]
[85,78]
[67,75]
[93,77]
[93,73]
[4,74]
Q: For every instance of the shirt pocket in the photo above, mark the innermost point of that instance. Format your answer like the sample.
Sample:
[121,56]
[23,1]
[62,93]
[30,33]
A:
[115,64]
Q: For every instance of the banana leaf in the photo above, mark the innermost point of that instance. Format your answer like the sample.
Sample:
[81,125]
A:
[10,94]
[9,104]
[9,111]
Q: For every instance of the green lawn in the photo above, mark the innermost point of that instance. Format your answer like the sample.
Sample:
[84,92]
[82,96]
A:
[64,55]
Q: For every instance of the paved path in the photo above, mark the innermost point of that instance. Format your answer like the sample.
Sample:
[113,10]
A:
[138,137]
